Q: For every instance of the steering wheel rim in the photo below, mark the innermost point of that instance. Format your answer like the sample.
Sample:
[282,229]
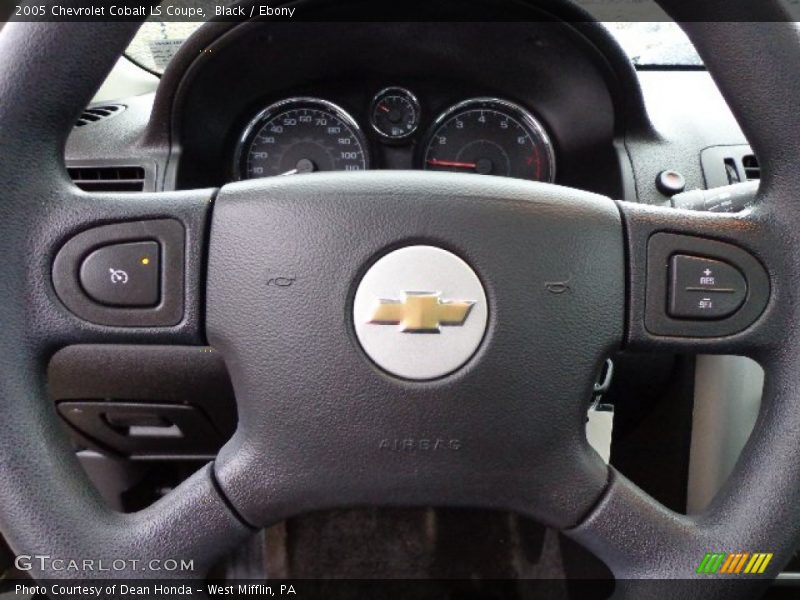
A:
[736,520]
[637,537]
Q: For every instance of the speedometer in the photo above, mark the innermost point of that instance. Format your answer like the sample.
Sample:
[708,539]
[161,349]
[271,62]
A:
[300,135]
[489,136]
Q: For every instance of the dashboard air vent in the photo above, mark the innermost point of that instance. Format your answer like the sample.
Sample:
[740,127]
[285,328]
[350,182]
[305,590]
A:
[751,169]
[726,165]
[97,113]
[108,179]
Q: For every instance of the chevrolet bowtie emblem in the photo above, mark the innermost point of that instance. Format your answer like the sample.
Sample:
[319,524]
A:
[421,312]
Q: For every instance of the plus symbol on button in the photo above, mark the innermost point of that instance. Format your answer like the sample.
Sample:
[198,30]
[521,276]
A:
[707,272]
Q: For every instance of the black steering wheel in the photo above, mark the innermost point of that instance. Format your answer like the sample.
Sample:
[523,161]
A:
[317,417]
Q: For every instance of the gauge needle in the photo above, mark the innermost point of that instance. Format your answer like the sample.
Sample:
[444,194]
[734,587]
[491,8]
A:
[304,165]
[435,162]
[384,108]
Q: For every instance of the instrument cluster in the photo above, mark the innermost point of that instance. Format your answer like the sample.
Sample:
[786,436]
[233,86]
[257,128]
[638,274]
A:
[481,135]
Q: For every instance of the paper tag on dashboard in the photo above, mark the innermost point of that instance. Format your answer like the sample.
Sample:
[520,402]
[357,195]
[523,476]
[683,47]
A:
[599,428]
[163,51]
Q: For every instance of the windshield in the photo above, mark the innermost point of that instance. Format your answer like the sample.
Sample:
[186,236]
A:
[647,44]
[643,30]
[655,44]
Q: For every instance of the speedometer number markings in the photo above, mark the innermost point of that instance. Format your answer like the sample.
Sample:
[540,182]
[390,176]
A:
[301,135]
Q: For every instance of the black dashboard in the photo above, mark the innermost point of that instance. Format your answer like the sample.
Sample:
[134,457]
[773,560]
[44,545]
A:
[532,102]
[583,116]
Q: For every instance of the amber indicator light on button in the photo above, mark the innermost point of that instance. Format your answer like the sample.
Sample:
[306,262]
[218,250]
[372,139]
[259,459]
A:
[125,274]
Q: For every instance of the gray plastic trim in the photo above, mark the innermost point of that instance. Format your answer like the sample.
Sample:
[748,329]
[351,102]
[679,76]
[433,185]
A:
[727,399]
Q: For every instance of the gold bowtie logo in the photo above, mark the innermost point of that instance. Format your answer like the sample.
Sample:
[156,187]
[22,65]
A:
[421,312]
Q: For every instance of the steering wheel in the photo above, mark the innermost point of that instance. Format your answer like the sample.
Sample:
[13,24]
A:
[321,413]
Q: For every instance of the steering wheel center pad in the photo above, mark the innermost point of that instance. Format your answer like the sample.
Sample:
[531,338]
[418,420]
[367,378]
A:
[322,426]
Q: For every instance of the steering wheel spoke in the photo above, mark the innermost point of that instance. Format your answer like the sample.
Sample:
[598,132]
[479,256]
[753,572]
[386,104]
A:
[700,281]
[180,536]
[120,268]
[636,536]
[638,539]
[193,524]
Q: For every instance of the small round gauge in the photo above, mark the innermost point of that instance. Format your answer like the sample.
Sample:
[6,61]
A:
[300,135]
[489,136]
[394,113]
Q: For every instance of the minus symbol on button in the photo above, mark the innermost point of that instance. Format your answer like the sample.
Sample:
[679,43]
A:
[711,290]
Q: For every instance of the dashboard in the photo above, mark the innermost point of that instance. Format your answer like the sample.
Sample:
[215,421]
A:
[540,100]
[275,99]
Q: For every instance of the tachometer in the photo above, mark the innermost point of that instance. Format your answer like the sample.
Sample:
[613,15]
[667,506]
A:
[489,136]
[300,135]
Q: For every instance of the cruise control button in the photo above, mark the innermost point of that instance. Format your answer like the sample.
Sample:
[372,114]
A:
[704,288]
[123,274]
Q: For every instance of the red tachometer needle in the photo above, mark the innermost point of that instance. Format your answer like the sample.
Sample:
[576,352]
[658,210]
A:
[435,162]
[384,108]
